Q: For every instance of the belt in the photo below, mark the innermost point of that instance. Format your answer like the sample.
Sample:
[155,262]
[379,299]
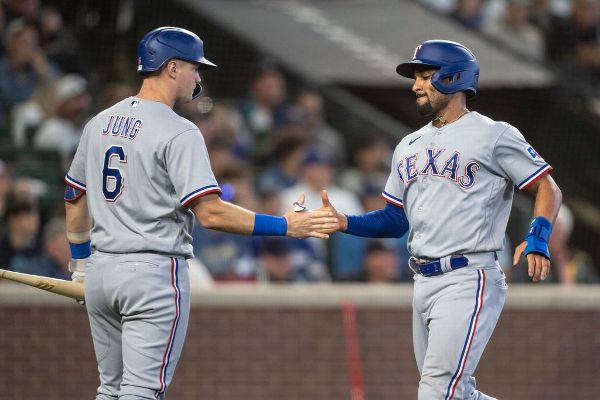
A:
[438,266]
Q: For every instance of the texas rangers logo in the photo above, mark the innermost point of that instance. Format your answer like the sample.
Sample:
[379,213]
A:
[416,51]
[408,171]
[532,152]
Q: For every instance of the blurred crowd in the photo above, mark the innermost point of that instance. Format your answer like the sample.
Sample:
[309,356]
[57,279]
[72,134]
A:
[564,32]
[266,147]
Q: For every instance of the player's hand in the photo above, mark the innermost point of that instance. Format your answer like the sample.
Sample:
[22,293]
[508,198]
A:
[77,267]
[538,266]
[342,221]
[302,224]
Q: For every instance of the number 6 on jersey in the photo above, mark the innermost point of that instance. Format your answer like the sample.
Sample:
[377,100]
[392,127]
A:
[111,174]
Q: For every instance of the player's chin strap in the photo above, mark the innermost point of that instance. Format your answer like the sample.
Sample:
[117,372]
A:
[538,236]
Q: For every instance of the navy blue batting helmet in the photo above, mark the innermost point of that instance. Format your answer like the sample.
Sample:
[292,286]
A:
[451,59]
[166,43]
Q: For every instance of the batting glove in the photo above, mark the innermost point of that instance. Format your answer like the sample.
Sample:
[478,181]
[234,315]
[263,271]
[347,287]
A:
[77,267]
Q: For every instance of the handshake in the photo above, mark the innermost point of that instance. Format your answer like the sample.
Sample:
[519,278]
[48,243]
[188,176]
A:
[317,223]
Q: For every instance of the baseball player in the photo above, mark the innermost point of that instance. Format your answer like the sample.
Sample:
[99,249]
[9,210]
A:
[451,187]
[139,176]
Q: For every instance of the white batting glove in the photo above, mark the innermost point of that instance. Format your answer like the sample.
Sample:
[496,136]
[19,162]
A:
[77,267]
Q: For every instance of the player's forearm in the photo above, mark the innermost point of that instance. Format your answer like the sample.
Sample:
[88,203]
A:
[77,218]
[224,216]
[548,198]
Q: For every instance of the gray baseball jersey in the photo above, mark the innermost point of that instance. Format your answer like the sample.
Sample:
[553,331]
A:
[141,164]
[456,184]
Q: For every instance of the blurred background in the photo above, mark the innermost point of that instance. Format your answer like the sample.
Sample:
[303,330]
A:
[306,97]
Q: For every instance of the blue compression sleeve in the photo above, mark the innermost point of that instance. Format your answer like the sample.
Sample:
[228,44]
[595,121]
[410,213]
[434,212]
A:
[387,222]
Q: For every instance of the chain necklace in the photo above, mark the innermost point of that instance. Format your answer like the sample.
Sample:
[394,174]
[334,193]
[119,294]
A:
[443,121]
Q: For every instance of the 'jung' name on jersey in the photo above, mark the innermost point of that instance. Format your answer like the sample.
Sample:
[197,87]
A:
[122,126]
[408,170]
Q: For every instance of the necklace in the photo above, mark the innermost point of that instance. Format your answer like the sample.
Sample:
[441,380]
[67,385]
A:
[443,121]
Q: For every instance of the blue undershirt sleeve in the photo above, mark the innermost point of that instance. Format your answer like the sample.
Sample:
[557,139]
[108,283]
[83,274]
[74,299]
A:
[390,221]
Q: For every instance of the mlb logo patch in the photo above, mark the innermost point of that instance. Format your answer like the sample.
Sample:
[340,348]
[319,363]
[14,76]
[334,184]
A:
[139,63]
[532,152]
[134,103]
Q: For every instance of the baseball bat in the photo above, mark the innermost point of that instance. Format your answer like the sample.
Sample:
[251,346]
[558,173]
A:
[70,289]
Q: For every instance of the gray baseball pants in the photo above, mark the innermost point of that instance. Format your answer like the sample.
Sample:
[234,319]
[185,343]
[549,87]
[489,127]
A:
[454,315]
[138,306]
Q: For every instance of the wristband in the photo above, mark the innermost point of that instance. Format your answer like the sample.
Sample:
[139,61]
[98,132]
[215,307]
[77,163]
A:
[269,225]
[538,236]
[80,250]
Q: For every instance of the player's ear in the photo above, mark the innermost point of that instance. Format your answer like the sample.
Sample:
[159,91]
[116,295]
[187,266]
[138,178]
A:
[171,68]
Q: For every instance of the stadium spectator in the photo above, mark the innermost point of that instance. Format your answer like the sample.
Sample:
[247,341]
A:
[222,156]
[371,159]
[380,263]
[220,122]
[574,42]
[28,10]
[571,265]
[5,185]
[318,173]
[264,109]
[54,260]
[288,150]
[24,65]
[540,15]
[113,92]
[469,13]
[289,260]
[308,112]
[58,43]
[513,30]
[27,116]
[62,131]
[229,257]
[19,246]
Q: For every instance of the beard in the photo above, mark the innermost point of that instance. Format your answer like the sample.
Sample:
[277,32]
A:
[432,108]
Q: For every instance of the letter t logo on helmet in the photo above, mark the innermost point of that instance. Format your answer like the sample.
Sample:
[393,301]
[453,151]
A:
[416,51]
[451,60]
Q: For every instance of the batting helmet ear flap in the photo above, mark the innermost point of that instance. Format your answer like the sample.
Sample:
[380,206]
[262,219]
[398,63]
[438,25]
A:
[461,78]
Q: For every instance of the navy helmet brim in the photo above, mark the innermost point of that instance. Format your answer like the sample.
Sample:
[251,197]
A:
[407,69]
